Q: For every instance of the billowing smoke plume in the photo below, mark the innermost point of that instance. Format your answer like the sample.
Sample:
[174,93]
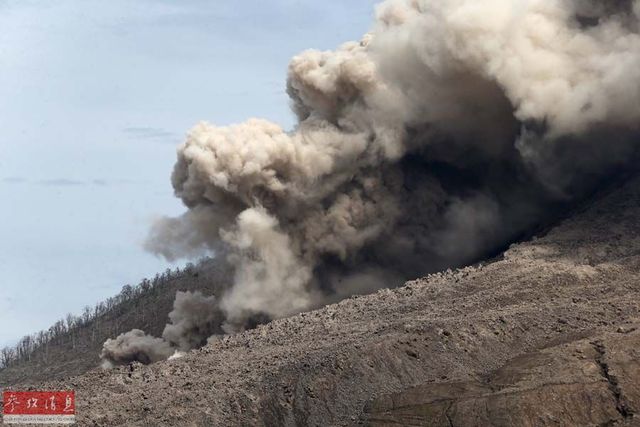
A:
[449,130]
[132,346]
[194,319]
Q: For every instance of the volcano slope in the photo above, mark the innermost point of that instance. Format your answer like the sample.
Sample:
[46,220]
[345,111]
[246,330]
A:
[547,335]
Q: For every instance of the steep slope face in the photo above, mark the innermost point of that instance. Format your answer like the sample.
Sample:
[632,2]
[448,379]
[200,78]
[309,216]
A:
[545,336]
[590,381]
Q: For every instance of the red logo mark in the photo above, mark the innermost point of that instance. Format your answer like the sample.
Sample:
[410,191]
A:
[38,403]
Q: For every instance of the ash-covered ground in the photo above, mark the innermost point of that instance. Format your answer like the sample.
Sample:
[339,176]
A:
[546,335]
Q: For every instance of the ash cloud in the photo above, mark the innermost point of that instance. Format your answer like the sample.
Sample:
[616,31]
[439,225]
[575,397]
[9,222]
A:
[194,318]
[446,132]
[132,346]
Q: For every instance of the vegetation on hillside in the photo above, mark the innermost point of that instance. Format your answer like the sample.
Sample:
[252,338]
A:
[71,345]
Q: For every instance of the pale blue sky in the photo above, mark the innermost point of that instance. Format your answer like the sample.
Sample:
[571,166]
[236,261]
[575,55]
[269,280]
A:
[94,97]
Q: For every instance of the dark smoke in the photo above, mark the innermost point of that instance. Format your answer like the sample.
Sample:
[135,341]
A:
[451,129]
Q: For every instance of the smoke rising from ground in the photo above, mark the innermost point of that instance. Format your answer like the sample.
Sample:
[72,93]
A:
[133,346]
[194,318]
[447,131]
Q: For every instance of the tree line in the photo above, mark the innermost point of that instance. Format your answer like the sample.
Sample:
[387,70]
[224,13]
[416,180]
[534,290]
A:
[91,325]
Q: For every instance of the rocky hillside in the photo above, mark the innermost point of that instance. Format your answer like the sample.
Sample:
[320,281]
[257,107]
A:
[547,335]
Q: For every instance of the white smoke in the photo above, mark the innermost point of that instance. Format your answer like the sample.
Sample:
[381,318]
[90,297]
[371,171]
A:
[451,128]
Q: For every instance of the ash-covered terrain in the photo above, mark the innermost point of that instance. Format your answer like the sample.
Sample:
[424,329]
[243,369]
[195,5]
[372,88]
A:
[450,131]
[547,335]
